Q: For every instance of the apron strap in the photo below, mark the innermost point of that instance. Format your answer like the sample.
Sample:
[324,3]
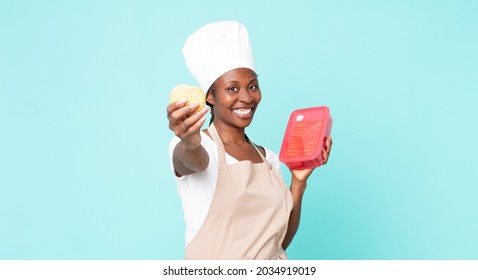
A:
[257,149]
[220,147]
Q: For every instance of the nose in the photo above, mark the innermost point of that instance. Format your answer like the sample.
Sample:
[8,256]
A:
[245,96]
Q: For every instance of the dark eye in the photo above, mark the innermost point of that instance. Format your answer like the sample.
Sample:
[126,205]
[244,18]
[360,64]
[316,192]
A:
[232,88]
[253,87]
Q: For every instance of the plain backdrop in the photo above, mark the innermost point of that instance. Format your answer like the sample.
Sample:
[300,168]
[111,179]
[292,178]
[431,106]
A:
[84,85]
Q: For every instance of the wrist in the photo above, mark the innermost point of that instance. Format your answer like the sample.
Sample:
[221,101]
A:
[190,145]
[297,187]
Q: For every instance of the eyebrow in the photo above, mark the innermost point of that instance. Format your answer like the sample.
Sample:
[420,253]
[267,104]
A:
[234,81]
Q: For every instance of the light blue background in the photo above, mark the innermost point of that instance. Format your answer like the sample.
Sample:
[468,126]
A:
[84,87]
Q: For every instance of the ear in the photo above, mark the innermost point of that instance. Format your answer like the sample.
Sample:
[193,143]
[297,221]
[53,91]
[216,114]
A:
[210,99]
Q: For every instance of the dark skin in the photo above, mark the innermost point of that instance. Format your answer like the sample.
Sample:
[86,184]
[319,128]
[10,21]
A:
[234,97]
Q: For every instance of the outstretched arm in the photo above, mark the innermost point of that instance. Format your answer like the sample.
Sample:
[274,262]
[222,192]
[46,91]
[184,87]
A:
[188,156]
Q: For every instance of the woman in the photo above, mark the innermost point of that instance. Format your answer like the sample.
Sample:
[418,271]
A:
[235,201]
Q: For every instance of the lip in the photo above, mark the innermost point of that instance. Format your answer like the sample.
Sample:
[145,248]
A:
[243,112]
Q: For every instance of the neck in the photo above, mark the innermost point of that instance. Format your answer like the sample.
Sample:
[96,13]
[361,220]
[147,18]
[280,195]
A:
[230,134]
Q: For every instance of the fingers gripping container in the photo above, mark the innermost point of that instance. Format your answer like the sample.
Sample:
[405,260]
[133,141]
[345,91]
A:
[304,139]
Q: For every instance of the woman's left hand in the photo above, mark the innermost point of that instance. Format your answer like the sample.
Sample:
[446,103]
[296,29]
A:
[299,177]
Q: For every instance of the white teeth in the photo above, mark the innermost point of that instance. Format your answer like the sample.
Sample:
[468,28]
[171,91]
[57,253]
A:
[242,111]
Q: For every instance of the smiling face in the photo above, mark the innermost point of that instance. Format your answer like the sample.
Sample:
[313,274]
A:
[235,97]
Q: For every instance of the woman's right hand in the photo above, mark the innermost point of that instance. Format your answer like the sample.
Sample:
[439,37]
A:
[186,123]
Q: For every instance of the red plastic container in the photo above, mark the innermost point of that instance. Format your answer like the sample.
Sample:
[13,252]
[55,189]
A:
[304,138]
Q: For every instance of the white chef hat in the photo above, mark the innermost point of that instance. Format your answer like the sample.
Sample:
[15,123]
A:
[215,49]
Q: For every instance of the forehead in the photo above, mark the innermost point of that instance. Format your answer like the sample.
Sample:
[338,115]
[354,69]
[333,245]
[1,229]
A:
[238,75]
